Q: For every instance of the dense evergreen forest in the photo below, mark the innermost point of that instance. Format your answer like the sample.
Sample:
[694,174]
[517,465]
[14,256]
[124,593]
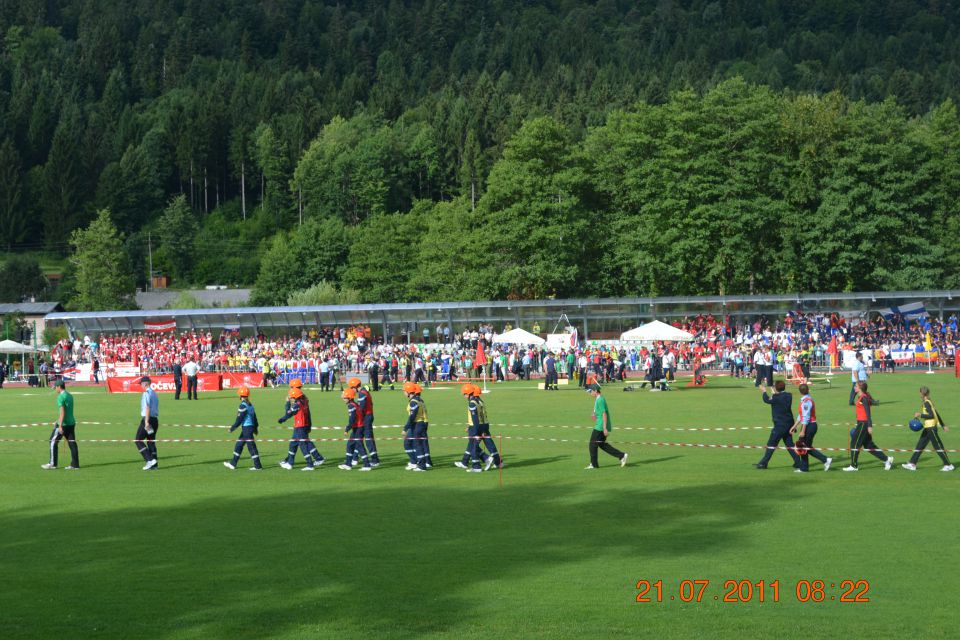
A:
[430,149]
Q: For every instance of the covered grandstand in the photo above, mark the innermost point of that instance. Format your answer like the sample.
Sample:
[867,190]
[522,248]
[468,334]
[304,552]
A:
[594,318]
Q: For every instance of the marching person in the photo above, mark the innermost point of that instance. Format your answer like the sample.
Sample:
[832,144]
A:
[931,421]
[781,411]
[146,438]
[298,408]
[354,431]
[365,401]
[191,369]
[601,429]
[64,427]
[863,433]
[415,430]
[247,421]
[807,424]
[483,433]
[478,432]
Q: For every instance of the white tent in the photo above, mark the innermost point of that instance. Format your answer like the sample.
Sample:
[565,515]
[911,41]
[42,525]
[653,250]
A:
[517,336]
[10,346]
[656,331]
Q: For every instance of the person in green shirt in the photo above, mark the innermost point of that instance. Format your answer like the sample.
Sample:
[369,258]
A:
[64,427]
[601,429]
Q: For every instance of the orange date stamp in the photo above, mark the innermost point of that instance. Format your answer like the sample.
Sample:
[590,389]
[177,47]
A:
[760,591]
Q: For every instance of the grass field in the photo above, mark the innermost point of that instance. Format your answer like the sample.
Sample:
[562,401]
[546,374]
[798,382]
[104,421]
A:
[198,551]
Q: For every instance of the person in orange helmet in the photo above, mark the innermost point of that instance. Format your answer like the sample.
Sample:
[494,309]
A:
[247,422]
[415,430]
[355,449]
[365,402]
[298,408]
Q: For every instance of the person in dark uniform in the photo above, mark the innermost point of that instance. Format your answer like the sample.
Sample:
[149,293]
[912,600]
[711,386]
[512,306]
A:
[146,438]
[931,422]
[298,408]
[807,424]
[354,430]
[65,427]
[781,410]
[862,437]
[365,401]
[550,369]
[248,424]
[478,432]
[415,430]
[177,379]
[374,371]
[601,429]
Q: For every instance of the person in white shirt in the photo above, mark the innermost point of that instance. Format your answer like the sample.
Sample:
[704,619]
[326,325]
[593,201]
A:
[191,369]
[858,373]
[759,366]
[582,370]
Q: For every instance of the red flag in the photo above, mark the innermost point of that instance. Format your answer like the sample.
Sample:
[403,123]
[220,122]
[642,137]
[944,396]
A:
[481,358]
[159,326]
[834,353]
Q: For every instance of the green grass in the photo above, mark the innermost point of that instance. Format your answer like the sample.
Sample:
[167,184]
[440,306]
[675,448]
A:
[197,551]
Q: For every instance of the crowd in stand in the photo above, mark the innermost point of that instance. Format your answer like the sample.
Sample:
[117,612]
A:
[446,354]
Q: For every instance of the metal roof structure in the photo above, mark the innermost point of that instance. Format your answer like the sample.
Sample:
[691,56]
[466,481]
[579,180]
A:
[30,308]
[590,315]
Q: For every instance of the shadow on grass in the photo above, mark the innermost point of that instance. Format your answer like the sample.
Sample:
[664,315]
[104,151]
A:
[399,561]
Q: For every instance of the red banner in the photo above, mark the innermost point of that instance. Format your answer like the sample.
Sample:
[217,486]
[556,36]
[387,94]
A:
[159,326]
[237,380]
[163,384]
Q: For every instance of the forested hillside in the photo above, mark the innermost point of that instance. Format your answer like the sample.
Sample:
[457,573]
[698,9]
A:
[425,149]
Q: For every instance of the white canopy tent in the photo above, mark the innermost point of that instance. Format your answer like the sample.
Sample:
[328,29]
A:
[11,346]
[656,331]
[518,336]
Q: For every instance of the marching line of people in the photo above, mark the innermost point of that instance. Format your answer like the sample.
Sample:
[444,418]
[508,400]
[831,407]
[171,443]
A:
[361,449]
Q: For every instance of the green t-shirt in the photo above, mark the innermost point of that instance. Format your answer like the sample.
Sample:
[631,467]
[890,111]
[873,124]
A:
[600,408]
[65,400]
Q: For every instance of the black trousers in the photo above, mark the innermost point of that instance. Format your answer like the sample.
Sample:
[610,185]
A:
[69,433]
[246,439]
[781,432]
[599,441]
[177,386]
[930,436]
[375,378]
[862,439]
[192,387]
[582,377]
[761,374]
[550,381]
[146,439]
[808,434]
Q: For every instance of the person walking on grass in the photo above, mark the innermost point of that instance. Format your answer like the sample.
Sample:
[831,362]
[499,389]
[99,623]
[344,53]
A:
[862,437]
[356,452]
[782,413]
[248,424]
[146,438]
[931,422]
[64,427]
[807,424]
[601,429]
[298,408]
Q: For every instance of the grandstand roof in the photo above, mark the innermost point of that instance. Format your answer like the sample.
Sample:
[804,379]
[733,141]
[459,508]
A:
[590,315]
[30,308]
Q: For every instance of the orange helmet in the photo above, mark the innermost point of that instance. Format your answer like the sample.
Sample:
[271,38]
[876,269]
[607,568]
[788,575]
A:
[295,393]
[354,383]
[418,389]
[348,394]
[475,390]
[243,392]
[467,389]
[409,387]
[296,383]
